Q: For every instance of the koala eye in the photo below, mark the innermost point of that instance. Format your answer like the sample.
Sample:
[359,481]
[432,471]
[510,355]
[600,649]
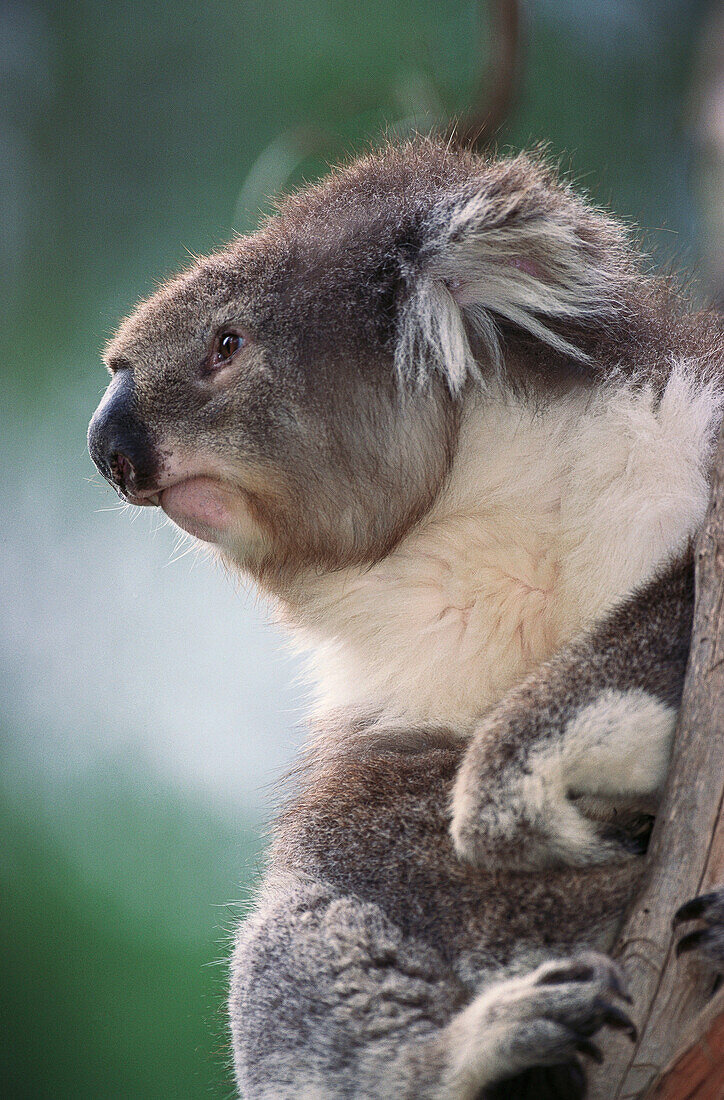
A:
[226,346]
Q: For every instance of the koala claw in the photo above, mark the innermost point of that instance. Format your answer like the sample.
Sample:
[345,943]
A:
[586,968]
[585,1046]
[708,942]
[634,838]
[539,1025]
[601,1012]
[693,941]
[616,1018]
[568,1003]
[696,907]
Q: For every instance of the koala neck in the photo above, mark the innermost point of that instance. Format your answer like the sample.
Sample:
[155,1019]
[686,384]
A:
[548,518]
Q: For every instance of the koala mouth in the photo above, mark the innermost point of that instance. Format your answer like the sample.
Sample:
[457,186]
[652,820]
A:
[202,506]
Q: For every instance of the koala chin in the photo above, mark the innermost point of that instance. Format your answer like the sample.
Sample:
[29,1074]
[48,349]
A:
[439,410]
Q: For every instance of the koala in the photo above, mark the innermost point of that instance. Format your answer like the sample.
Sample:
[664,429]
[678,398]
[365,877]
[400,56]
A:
[460,437]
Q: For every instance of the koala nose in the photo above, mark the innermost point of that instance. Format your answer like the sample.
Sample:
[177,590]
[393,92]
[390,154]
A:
[118,442]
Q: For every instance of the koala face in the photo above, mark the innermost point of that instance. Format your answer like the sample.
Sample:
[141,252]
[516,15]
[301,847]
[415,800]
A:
[259,421]
[295,399]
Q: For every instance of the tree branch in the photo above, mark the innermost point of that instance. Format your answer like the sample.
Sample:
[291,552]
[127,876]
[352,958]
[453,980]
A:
[498,86]
[697,1073]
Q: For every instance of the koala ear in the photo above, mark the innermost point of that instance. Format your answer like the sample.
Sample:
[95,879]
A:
[517,245]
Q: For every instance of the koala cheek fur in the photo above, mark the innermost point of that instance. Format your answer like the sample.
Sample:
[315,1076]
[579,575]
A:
[464,448]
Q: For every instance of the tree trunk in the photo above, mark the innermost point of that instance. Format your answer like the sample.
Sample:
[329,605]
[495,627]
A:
[686,858]
[697,1073]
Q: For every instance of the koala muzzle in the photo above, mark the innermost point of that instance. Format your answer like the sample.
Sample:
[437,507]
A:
[119,443]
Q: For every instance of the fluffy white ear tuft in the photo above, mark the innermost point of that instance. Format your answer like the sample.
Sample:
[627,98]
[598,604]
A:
[518,245]
[431,337]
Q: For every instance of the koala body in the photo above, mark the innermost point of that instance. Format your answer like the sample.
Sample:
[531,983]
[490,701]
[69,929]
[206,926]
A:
[440,415]
[549,515]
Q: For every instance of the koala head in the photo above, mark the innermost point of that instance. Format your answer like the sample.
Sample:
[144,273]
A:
[296,398]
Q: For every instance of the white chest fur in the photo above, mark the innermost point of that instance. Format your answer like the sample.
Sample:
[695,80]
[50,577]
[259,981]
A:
[549,517]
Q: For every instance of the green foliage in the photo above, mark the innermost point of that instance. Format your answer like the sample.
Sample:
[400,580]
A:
[115,920]
[136,146]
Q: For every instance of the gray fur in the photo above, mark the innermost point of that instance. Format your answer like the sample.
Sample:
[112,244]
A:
[367,919]
[388,955]
[642,647]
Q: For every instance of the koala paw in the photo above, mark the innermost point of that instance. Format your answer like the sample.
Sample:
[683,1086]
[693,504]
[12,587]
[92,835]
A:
[631,835]
[532,828]
[708,940]
[550,1016]
[528,817]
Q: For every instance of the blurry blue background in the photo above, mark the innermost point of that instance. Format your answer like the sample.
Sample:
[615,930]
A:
[147,710]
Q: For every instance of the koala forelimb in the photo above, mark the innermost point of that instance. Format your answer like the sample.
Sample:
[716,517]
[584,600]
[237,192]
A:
[595,722]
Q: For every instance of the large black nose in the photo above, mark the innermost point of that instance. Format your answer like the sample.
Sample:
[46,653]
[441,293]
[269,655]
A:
[118,441]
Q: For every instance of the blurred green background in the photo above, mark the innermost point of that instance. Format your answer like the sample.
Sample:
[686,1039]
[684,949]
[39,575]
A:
[147,711]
